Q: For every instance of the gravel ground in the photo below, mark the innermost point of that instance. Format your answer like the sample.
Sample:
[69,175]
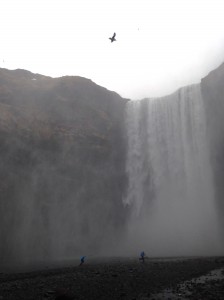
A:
[121,278]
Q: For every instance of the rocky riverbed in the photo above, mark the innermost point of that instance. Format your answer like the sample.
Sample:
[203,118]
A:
[120,278]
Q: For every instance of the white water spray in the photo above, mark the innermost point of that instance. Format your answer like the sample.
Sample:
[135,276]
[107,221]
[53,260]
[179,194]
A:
[171,190]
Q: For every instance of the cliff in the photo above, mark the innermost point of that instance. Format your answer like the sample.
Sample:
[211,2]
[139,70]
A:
[213,93]
[62,166]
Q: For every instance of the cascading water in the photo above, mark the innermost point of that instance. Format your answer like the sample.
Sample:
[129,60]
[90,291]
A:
[170,190]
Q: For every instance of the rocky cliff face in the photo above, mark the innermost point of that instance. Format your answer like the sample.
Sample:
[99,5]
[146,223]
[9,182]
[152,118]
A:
[62,166]
[213,93]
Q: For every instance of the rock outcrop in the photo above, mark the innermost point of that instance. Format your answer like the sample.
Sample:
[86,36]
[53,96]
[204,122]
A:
[62,166]
[213,93]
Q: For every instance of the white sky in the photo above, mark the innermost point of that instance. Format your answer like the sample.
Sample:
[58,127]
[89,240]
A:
[161,44]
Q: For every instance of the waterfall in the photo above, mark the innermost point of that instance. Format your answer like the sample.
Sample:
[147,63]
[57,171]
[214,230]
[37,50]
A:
[170,190]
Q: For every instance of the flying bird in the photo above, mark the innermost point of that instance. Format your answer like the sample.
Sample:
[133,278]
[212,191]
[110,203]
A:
[113,38]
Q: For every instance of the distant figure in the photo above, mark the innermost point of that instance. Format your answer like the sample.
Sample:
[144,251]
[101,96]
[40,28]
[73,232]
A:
[82,260]
[113,38]
[142,256]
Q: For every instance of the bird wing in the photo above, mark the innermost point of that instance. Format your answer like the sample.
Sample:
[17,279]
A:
[114,35]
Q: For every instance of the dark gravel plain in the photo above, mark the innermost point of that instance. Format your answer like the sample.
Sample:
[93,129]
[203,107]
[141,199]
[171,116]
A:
[120,278]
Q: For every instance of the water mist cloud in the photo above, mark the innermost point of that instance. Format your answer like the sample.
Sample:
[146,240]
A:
[171,184]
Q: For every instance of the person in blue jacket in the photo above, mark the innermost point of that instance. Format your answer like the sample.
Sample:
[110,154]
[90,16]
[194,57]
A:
[82,260]
[142,256]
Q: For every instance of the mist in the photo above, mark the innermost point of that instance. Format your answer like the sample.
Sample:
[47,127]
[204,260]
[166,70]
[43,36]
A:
[171,189]
[87,172]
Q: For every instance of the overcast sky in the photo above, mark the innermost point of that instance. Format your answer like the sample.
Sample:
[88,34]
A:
[161,44]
